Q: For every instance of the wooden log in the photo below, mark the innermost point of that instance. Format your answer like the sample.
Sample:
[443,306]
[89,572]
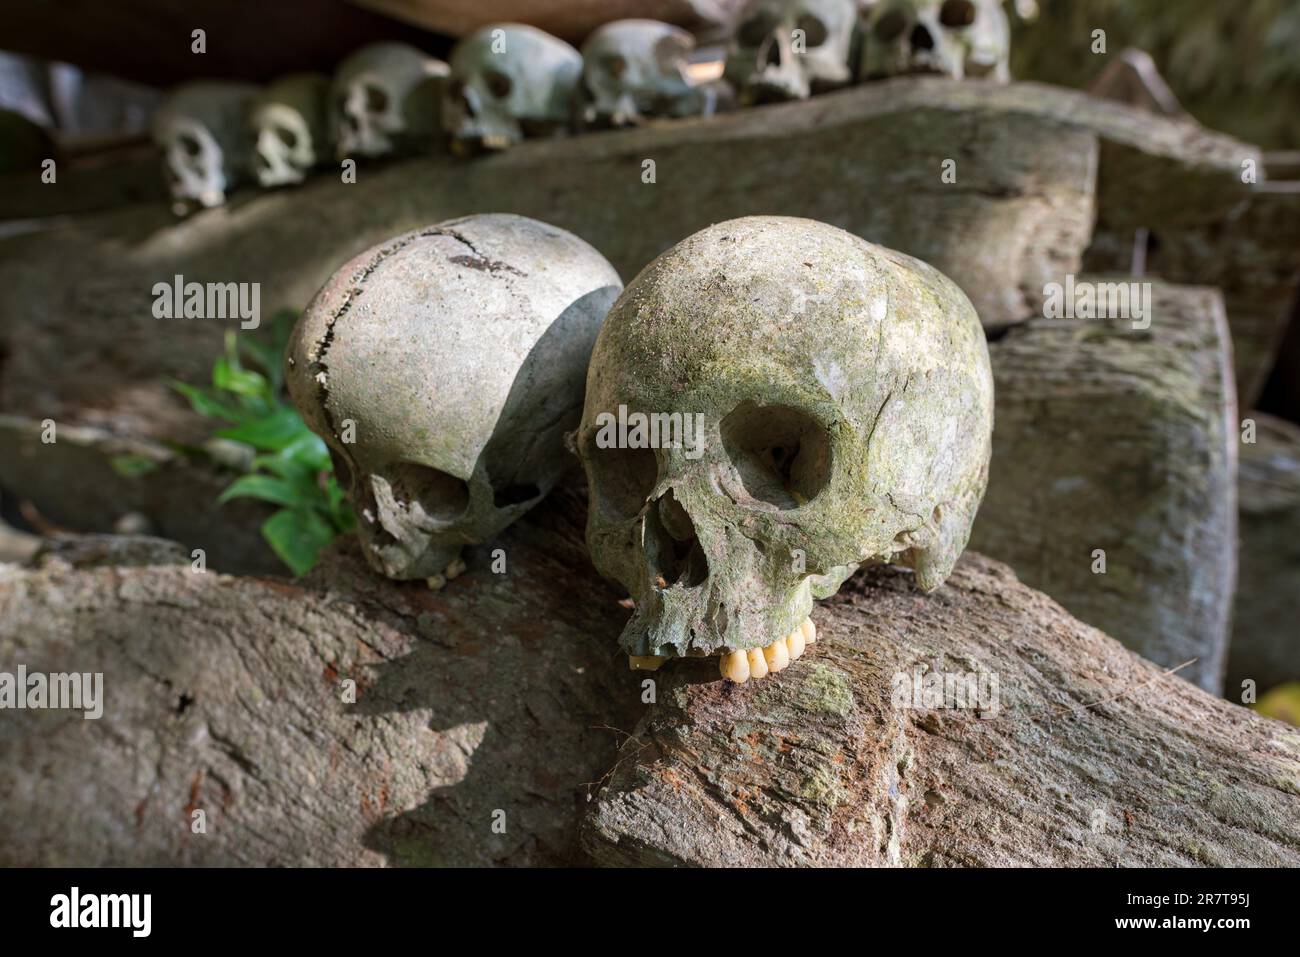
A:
[1123,440]
[507,693]
[1265,638]
[226,695]
[1094,757]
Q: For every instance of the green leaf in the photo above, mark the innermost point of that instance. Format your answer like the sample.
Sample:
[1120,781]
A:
[205,403]
[130,465]
[309,450]
[230,377]
[297,535]
[268,358]
[264,487]
[270,433]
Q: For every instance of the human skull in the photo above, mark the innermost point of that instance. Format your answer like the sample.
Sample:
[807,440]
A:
[509,81]
[844,403]
[959,38]
[790,49]
[202,129]
[290,122]
[636,69]
[455,356]
[386,101]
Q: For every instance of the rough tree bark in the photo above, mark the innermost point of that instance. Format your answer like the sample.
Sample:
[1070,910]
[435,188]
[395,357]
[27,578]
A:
[1094,757]
[504,693]
[226,695]
[1122,439]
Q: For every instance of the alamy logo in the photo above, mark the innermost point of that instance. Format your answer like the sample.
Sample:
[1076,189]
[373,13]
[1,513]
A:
[654,430]
[214,300]
[103,910]
[59,690]
[1098,300]
[926,689]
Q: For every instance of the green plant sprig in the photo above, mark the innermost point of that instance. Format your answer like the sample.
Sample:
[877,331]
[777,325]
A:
[292,468]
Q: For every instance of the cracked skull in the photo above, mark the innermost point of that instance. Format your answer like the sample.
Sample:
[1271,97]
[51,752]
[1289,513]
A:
[386,101]
[443,369]
[636,69]
[790,49]
[202,129]
[510,81]
[841,403]
[290,124]
[957,38]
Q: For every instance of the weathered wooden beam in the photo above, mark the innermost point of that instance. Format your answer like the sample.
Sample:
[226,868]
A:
[245,39]
[1121,440]
[1265,635]
[571,19]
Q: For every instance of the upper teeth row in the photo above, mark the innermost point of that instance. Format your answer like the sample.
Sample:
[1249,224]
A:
[740,666]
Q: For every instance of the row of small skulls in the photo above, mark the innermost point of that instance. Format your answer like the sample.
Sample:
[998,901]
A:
[510,81]
[503,83]
[791,49]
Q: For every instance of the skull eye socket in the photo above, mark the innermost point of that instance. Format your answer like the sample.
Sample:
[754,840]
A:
[782,455]
[287,136]
[615,66]
[498,84]
[190,144]
[621,479]
[753,32]
[376,99]
[814,31]
[890,26]
[957,13]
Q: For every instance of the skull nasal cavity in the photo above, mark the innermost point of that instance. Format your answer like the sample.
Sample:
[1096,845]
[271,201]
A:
[441,496]
[674,551]
[921,39]
[771,55]
[781,454]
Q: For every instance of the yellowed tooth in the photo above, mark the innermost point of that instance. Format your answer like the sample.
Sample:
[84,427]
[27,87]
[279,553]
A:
[645,662]
[735,665]
[454,569]
[794,642]
[809,631]
[757,663]
[777,655]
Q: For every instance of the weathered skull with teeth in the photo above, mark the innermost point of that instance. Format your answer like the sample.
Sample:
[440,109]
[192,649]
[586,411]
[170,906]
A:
[790,49]
[202,129]
[636,69]
[509,81]
[958,38]
[290,121]
[842,403]
[387,98]
[443,369]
